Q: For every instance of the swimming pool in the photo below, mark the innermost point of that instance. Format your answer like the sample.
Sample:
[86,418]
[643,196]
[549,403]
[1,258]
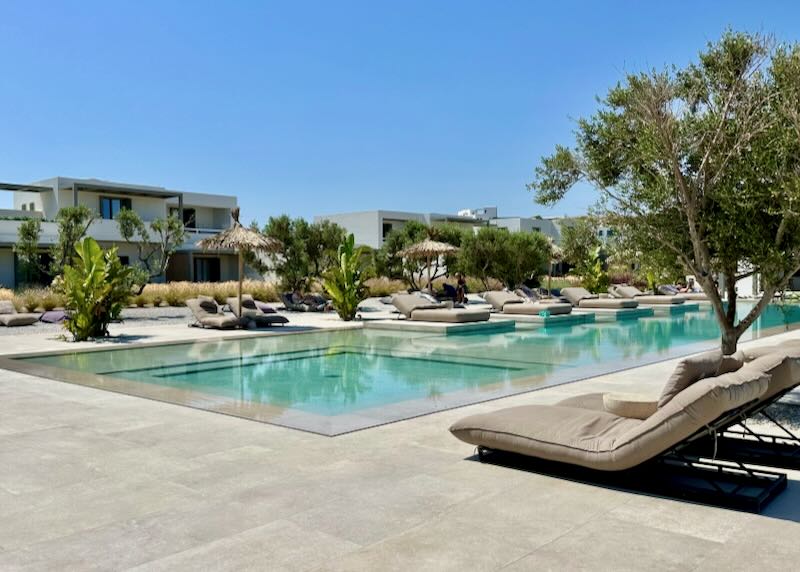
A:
[338,381]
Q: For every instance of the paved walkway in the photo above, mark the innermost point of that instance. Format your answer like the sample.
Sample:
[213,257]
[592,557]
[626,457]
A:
[91,480]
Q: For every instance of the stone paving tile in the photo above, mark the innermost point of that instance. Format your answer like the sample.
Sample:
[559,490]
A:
[67,510]
[766,544]
[717,524]
[280,545]
[610,544]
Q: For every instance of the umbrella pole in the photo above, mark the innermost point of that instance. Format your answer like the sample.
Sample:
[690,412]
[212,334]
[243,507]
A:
[430,286]
[241,271]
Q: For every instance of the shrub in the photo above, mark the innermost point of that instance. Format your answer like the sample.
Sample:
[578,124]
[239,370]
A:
[96,288]
[30,298]
[141,300]
[384,286]
[51,299]
[345,282]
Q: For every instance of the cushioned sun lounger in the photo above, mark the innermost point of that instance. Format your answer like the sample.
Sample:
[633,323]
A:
[669,290]
[738,440]
[208,314]
[10,317]
[600,440]
[510,303]
[695,296]
[307,303]
[253,313]
[414,307]
[582,298]
[537,295]
[633,293]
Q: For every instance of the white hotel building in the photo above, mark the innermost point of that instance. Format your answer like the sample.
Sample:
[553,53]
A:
[203,215]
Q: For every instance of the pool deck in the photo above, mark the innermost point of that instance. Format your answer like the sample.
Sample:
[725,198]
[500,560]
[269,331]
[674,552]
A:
[93,480]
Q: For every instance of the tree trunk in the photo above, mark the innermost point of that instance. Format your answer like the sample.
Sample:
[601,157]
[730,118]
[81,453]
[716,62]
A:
[730,337]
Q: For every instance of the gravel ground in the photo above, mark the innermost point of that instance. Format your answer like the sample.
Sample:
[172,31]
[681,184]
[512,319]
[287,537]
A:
[131,317]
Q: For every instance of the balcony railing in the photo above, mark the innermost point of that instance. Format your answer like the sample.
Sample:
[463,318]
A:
[203,230]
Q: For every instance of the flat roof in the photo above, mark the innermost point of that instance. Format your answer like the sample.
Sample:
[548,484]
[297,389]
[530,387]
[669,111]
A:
[123,189]
[25,188]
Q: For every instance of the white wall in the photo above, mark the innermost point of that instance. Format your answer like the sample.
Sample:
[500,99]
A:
[25,199]
[365,226]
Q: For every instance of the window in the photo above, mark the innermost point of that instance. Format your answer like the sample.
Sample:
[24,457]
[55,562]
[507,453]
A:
[125,260]
[110,206]
[387,228]
[31,207]
[24,207]
[206,270]
[609,233]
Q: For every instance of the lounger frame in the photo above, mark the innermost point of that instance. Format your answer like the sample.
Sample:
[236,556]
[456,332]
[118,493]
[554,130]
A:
[690,470]
[738,441]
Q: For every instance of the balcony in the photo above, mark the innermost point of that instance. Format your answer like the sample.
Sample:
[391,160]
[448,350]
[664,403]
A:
[101,230]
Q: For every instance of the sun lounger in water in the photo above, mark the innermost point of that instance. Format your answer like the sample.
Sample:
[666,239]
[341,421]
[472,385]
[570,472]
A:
[510,303]
[416,308]
[10,317]
[603,434]
[253,313]
[208,314]
[633,293]
[582,298]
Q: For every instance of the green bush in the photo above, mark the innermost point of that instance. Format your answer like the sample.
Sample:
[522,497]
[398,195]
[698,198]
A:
[96,288]
[593,277]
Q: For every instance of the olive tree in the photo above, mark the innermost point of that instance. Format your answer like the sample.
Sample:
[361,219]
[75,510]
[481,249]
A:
[73,224]
[511,258]
[704,161]
[155,250]
[390,263]
[307,250]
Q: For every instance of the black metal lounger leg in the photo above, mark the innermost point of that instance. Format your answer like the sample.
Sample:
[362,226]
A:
[758,448]
[675,474]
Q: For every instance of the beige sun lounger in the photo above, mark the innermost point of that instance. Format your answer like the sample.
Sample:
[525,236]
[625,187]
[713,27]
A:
[10,317]
[254,313]
[691,296]
[633,293]
[583,299]
[510,303]
[208,314]
[416,308]
[695,296]
[570,432]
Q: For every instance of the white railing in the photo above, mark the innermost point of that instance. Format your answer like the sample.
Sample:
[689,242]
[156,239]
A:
[203,230]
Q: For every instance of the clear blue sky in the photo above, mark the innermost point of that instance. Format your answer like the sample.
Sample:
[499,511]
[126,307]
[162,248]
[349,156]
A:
[318,107]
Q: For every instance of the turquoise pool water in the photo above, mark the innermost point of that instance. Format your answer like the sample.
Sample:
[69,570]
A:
[333,382]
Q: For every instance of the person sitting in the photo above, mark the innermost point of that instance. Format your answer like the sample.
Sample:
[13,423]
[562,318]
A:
[461,289]
[449,292]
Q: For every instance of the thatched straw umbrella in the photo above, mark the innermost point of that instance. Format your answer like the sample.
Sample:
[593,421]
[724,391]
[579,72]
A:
[240,240]
[426,250]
